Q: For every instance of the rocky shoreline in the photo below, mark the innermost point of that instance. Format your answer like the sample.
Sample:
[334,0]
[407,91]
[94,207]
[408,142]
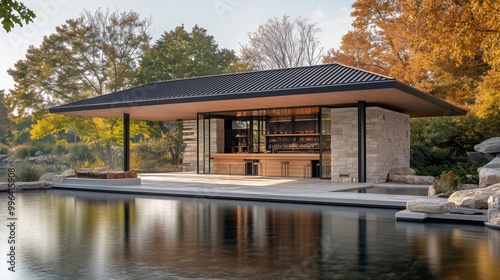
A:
[24,186]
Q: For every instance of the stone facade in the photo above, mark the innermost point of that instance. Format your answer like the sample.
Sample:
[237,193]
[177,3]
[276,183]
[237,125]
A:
[190,135]
[387,143]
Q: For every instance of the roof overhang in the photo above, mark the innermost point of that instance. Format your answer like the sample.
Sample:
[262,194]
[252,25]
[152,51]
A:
[390,94]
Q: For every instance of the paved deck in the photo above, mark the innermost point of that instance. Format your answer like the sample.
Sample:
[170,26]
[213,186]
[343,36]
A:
[254,188]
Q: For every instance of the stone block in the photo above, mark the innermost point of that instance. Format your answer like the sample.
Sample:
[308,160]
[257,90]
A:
[429,206]
[474,198]
[490,146]
[488,177]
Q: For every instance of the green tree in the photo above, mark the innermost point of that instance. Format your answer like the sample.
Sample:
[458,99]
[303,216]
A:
[14,12]
[181,54]
[92,55]
[6,125]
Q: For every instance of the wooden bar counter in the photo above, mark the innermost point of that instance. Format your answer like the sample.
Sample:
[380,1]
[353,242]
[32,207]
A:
[272,165]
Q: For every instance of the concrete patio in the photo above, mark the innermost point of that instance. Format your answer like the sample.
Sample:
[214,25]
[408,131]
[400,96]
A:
[253,188]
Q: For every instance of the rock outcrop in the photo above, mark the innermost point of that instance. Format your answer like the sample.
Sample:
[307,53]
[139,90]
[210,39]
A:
[474,198]
[40,185]
[407,176]
[430,206]
[479,158]
[494,210]
[490,146]
[49,177]
[490,173]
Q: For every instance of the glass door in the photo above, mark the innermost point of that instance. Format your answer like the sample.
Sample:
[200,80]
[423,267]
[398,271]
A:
[259,135]
[203,144]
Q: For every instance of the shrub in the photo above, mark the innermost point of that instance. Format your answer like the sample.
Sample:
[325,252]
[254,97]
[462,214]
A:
[4,149]
[447,183]
[27,172]
[80,153]
[91,164]
[22,152]
[149,155]
[60,148]
[45,147]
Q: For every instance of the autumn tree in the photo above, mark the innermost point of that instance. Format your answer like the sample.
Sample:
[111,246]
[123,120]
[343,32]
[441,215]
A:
[14,12]
[283,44]
[449,48]
[182,54]
[443,47]
[92,55]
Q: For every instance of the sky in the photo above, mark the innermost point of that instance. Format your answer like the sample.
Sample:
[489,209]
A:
[228,21]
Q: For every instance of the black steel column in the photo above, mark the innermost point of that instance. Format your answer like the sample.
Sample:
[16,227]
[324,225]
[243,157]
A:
[361,141]
[126,142]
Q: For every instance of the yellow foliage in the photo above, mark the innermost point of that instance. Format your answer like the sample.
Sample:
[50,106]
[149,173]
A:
[488,100]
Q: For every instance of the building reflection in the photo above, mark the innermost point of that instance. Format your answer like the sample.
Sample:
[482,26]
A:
[220,239]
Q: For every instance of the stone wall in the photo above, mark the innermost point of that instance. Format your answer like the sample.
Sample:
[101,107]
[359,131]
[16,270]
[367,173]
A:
[189,136]
[387,143]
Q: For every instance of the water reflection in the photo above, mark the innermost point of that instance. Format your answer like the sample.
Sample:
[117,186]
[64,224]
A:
[85,235]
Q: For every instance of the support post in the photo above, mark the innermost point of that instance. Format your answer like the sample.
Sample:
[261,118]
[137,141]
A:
[361,141]
[126,142]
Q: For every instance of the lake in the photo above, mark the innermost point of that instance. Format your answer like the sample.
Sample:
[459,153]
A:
[84,235]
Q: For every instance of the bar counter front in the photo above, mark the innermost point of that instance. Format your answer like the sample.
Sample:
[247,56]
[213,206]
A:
[273,165]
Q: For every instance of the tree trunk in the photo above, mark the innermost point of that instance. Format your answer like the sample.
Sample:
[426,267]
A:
[109,152]
[174,156]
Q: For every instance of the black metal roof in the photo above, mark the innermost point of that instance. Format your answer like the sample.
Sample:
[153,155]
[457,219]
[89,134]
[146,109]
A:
[237,85]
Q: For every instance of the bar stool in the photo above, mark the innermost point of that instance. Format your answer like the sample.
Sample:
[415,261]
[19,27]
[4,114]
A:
[260,166]
[285,168]
[249,163]
[307,170]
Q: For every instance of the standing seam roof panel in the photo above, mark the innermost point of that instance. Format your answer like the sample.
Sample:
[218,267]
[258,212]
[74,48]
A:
[227,84]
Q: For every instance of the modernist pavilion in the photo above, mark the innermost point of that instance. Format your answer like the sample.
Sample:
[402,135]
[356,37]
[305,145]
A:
[326,121]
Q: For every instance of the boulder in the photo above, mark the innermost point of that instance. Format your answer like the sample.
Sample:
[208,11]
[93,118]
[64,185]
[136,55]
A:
[26,186]
[488,177]
[479,158]
[469,186]
[402,171]
[494,209]
[494,201]
[430,206]
[69,172]
[495,221]
[431,191]
[412,179]
[474,198]
[49,177]
[39,153]
[490,146]
[494,163]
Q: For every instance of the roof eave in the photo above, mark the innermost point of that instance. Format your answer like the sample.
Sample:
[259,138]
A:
[451,110]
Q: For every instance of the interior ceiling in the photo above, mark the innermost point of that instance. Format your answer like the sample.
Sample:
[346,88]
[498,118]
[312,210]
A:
[391,98]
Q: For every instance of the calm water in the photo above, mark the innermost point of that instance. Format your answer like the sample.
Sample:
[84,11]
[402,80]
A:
[393,190]
[81,235]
